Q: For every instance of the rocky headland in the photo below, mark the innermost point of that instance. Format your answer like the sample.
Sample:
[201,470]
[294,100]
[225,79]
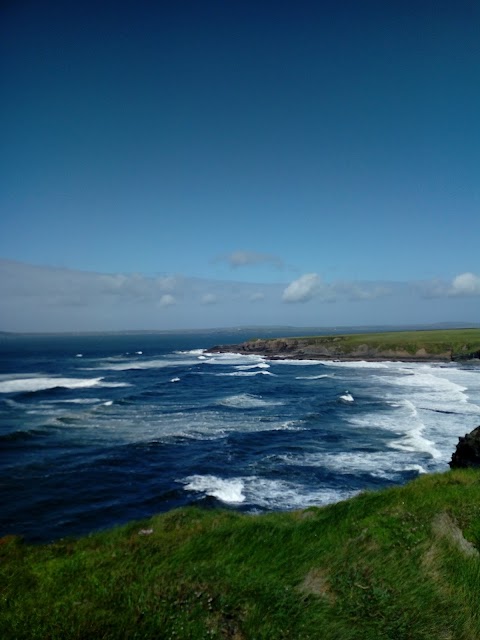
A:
[425,346]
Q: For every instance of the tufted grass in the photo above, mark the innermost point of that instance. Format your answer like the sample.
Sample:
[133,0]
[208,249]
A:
[382,565]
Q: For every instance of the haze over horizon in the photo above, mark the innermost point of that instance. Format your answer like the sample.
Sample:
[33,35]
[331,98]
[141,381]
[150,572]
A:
[195,165]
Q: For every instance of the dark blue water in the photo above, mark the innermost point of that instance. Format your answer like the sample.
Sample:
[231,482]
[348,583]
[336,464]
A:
[98,430]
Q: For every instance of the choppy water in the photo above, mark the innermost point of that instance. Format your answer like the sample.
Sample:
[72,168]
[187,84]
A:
[97,430]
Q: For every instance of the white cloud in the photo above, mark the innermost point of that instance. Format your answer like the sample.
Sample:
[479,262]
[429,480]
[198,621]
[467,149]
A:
[167,300]
[247,258]
[303,289]
[209,298]
[466,284]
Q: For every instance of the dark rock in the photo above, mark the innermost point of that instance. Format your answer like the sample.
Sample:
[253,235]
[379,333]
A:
[467,453]
[466,355]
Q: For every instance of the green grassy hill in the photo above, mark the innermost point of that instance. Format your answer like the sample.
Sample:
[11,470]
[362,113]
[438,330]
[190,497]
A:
[434,342]
[401,563]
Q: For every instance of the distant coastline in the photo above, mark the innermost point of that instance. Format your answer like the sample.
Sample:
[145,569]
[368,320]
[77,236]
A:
[271,331]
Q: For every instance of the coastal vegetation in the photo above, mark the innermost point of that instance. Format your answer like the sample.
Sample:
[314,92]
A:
[457,341]
[444,344]
[402,564]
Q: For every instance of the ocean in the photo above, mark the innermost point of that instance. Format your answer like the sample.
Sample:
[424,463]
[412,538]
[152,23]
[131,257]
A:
[96,430]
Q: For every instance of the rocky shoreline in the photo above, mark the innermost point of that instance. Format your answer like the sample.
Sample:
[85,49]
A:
[302,349]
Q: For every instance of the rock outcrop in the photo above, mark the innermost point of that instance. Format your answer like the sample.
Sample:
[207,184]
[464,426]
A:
[467,453]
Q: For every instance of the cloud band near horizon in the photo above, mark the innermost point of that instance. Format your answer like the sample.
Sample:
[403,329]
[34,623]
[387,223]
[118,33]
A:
[66,298]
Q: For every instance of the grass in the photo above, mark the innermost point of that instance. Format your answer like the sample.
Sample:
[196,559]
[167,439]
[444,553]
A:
[382,565]
[456,341]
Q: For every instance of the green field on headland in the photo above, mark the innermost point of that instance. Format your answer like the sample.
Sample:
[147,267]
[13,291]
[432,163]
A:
[400,564]
[457,341]
[443,345]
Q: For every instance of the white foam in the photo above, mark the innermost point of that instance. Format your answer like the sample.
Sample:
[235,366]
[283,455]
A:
[175,380]
[379,464]
[191,352]
[228,491]
[263,492]
[319,377]
[405,421]
[246,373]
[145,423]
[280,494]
[414,439]
[143,364]
[74,401]
[346,397]
[18,385]
[234,359]
[79,355]
[356,364]
[108,403]
[247,401]
[139,353]
[431,388]
[258,365]
[297,363]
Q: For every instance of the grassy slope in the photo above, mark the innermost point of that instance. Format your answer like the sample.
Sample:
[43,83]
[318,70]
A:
[382,565]
[434,342]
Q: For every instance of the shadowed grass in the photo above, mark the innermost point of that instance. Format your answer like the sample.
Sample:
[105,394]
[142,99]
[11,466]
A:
[377,566]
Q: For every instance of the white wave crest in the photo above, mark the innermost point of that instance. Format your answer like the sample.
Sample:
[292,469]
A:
[74,401]
[258,365]
[405,421]
[247,401]
[356,364]
[43,383]
[228,491]
[234,359]
[263,492]
[246,373]
[191,352]
[430,387]
[143,364]
[319,377]
[298,363]
[381,464]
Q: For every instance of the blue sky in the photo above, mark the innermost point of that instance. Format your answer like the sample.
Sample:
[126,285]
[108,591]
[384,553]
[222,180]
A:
[183,164]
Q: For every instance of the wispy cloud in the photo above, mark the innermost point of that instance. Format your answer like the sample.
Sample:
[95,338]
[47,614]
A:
[209,298]
[311,286]
[40,298]
[361,291]
[249,258]
[465,285]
